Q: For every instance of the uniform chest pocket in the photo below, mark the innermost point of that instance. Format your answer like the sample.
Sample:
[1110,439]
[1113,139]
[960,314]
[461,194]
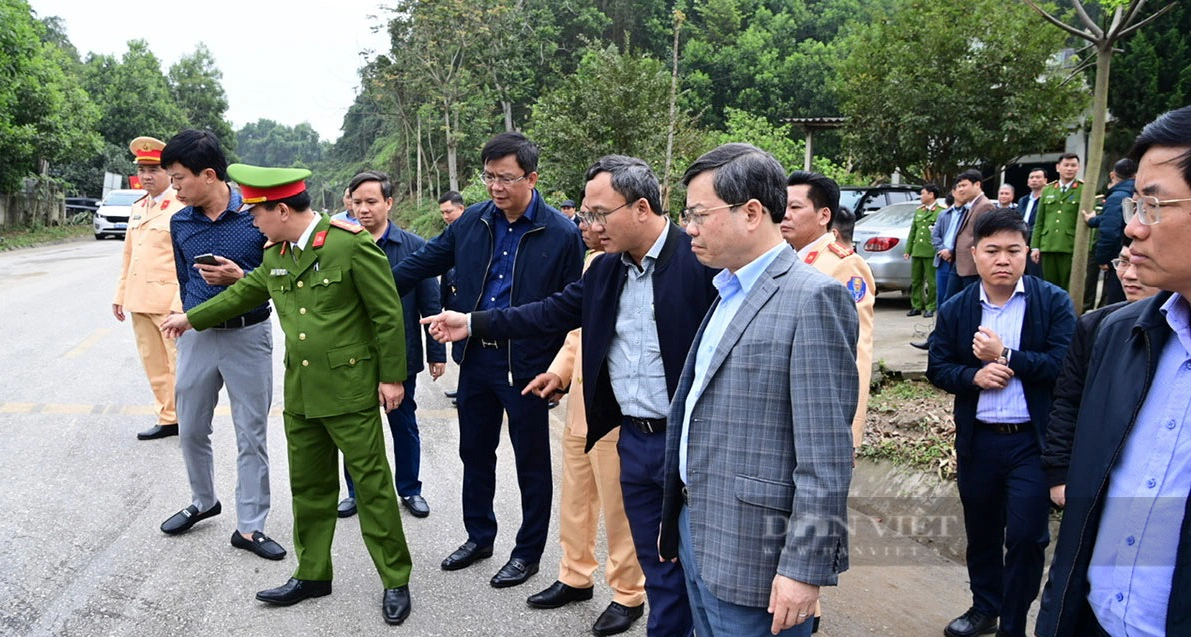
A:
[328,288]
[281,292]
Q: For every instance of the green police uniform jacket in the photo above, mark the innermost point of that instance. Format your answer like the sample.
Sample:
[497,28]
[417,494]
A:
[340,312]
[1054,224]
[919,237]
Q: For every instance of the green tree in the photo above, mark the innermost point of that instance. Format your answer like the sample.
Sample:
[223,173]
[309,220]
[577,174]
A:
[133,95]
[44,115]
[195,82]
[779,141]
[940,86]
[614,103]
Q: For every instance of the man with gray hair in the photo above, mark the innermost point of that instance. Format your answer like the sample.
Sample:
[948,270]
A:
[759,435]
[640,305]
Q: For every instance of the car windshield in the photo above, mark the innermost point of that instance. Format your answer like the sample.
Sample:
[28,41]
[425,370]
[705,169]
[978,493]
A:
[848,198]
[122,198]
[900,214]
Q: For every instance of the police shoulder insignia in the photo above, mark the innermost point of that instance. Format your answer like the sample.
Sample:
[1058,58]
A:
[812,257]
[353,228]
[858,288]
[839,250]
[165,203]
[319,239]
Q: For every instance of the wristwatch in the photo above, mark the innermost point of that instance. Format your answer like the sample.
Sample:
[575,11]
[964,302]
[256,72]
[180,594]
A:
[1003,359]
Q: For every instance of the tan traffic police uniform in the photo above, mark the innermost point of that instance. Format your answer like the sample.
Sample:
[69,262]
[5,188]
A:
[849,268]
[148,285]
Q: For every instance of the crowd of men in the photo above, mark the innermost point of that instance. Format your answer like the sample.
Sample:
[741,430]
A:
[718,370]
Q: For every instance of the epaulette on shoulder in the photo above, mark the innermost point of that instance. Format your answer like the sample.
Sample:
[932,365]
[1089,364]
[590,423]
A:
[270,244]
[353,228]
[840,251]
[1053,183]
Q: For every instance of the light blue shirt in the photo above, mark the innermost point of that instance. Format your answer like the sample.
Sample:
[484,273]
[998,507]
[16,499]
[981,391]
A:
[733,288]
[635,355]
[1006,405]
[1137,542]
[957,218]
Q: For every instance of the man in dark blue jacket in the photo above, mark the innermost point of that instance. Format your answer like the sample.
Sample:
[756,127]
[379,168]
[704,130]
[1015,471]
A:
[509,251]
[640,306]
[372,199]
[998,346]
[1122,565]
[1111,224]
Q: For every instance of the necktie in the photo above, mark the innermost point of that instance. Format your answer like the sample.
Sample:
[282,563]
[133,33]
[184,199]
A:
[297,252]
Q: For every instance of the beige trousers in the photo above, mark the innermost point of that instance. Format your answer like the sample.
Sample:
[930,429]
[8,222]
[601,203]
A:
[159,356]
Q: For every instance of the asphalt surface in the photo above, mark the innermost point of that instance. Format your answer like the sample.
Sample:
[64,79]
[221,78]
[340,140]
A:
[81,553]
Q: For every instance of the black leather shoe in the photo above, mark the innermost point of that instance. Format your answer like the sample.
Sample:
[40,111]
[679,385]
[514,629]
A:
[294,591]
[465,556]
[347,508]
[451,394]
[158,431]
[972,623]
[914,312]
[922,345]
[513,573]
[395,605]
[559,595]
[616,619]
[928,314]
[181,521]
[416,505]
[260,544]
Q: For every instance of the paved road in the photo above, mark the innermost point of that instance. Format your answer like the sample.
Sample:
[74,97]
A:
[81,553]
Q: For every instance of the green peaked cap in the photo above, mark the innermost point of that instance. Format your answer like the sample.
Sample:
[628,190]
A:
[259,184]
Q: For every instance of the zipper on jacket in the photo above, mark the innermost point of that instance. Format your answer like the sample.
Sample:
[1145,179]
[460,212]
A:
[512,287]
[491,252]
[1132,421]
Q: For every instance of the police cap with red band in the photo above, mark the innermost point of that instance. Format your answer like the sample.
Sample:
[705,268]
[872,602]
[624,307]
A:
[259,184]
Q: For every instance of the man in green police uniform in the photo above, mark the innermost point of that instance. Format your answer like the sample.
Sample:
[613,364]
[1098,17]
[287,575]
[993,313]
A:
[345,348]
[1053,240]
[921,253]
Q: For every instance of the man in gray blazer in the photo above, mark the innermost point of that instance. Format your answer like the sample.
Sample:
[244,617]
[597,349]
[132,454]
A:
[759,447]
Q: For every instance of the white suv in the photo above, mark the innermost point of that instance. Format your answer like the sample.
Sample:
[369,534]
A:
[111,219]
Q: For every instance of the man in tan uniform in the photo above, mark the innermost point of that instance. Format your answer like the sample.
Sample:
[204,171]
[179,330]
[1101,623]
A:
[148,286]
[590,482]
[812,201]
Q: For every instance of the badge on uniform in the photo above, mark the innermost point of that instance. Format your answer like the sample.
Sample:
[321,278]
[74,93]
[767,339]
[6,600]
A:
[278,272]
[858,288]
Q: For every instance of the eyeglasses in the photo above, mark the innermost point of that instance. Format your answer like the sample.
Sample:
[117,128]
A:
[491,180]
[1146,209]
[695,217]
[592,217]
[1119,263]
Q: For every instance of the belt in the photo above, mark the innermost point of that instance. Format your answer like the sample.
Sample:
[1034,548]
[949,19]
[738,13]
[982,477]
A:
[1005,428]
[487,344]
[645,425]
[244,320]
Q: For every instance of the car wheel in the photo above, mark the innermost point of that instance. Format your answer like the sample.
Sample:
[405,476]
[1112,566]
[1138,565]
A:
[98,237]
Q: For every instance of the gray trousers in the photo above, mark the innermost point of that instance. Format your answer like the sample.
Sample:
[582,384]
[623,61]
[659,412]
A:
[243,359]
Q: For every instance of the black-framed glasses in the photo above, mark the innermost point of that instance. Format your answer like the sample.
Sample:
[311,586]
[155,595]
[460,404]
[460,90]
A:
[491,180]
[696,216]
[592,217]
[1146,209]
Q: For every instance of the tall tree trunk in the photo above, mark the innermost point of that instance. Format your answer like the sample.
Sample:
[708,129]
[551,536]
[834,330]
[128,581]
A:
[419,190]
[1095,158]
[673,121]
[452,147]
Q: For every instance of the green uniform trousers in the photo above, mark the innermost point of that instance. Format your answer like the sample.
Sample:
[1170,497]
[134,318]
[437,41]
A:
[314,445]
[1056,268]
[923,295]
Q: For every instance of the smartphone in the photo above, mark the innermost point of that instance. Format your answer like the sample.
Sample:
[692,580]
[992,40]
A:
[206,259]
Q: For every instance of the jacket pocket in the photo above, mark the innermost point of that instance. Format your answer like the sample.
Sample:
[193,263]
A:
[352,375]
[329,289]
[778,496]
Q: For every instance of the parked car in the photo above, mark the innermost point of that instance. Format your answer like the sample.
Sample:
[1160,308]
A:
[111,219]
[881,239]
[864,200]
[75,205]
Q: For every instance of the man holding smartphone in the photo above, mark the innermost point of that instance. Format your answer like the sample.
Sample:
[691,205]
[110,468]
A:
[237,352]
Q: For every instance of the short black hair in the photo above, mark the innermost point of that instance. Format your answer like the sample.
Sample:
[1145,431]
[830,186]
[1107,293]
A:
[386,186]
[196,150]
[1039,169]
[1125,168]
[298,203]
[632,179]
[933,189]
[823,191]
[1066,156]
[512,143]
[742,172]
[971,175]
[844,222]
[999,220]
[949,200]
[451,196]
[1172,129]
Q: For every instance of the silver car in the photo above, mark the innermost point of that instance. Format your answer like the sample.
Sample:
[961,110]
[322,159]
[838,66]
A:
[881,239]
[111,219]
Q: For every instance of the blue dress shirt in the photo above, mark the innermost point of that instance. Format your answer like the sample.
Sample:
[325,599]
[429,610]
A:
[231,236]
[498,286]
